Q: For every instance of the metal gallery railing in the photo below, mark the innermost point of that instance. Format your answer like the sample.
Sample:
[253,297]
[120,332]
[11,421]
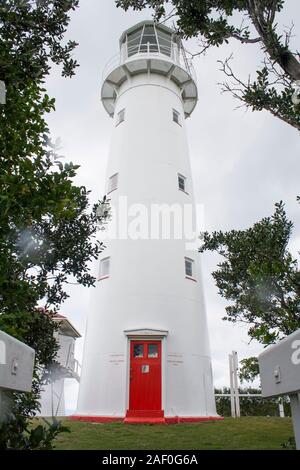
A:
[172,53]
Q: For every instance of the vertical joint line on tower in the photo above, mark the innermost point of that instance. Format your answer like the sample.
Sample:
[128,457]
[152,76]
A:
[169,74]
[127,72]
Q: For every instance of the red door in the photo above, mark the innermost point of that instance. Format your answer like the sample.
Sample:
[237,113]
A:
[145,375]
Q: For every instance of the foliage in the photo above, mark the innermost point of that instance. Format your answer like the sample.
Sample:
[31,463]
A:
[259,276]
[260,279]
[249,369]
[38,438]
[32,33]
[48,231]
[290,444]
[37,330]
[250,22]
[40,207]
[248,432]
[251,406]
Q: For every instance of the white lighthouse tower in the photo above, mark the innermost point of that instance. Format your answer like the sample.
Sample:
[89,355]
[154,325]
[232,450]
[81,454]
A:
[146,356]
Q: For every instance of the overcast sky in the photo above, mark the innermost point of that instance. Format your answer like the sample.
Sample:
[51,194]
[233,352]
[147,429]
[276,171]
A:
[242,162]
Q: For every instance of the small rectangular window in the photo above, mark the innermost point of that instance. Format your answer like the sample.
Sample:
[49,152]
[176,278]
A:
[189,268]
[182,182]
[138,350]
[113,182]
[176,116]
[120,116]
[152,350]
[104,267]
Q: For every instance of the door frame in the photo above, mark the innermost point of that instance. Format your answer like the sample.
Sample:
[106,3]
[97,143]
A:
[146,335]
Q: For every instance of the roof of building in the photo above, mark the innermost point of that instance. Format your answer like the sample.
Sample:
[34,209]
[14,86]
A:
[65,326]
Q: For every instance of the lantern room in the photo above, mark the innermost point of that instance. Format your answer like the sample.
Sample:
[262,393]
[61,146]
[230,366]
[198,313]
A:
[148,37]
[150,48]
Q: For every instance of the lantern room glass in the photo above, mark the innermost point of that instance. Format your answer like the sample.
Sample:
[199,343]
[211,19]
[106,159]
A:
[149,38]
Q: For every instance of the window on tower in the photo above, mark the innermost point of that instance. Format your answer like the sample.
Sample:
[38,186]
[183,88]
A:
[189,267]
[149,40]
[113,183]
[165,42]
[120,116]
[182,183]
[138,350]
[104,270]
[133,42]
[152,350]
[176,117]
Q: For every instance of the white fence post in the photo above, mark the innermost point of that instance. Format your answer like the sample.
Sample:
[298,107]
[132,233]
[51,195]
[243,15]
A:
[236,383]
[281,408]
[232,398]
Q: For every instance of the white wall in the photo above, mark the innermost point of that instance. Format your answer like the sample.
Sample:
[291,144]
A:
[147,287]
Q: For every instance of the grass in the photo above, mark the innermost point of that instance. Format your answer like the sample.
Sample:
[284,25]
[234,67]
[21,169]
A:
[244,433]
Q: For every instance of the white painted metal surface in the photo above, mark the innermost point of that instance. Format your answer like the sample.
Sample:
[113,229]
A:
[147,290]
[16,364]
[53,397]
[279,367]
[16,370]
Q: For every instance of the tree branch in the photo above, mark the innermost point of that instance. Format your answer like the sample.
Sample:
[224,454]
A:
[245,40]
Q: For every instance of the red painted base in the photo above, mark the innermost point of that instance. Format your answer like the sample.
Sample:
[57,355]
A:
[149,419]
[144,420]
[145,414]
[144,417]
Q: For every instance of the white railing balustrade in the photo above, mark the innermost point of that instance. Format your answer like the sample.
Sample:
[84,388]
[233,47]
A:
[170,52]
